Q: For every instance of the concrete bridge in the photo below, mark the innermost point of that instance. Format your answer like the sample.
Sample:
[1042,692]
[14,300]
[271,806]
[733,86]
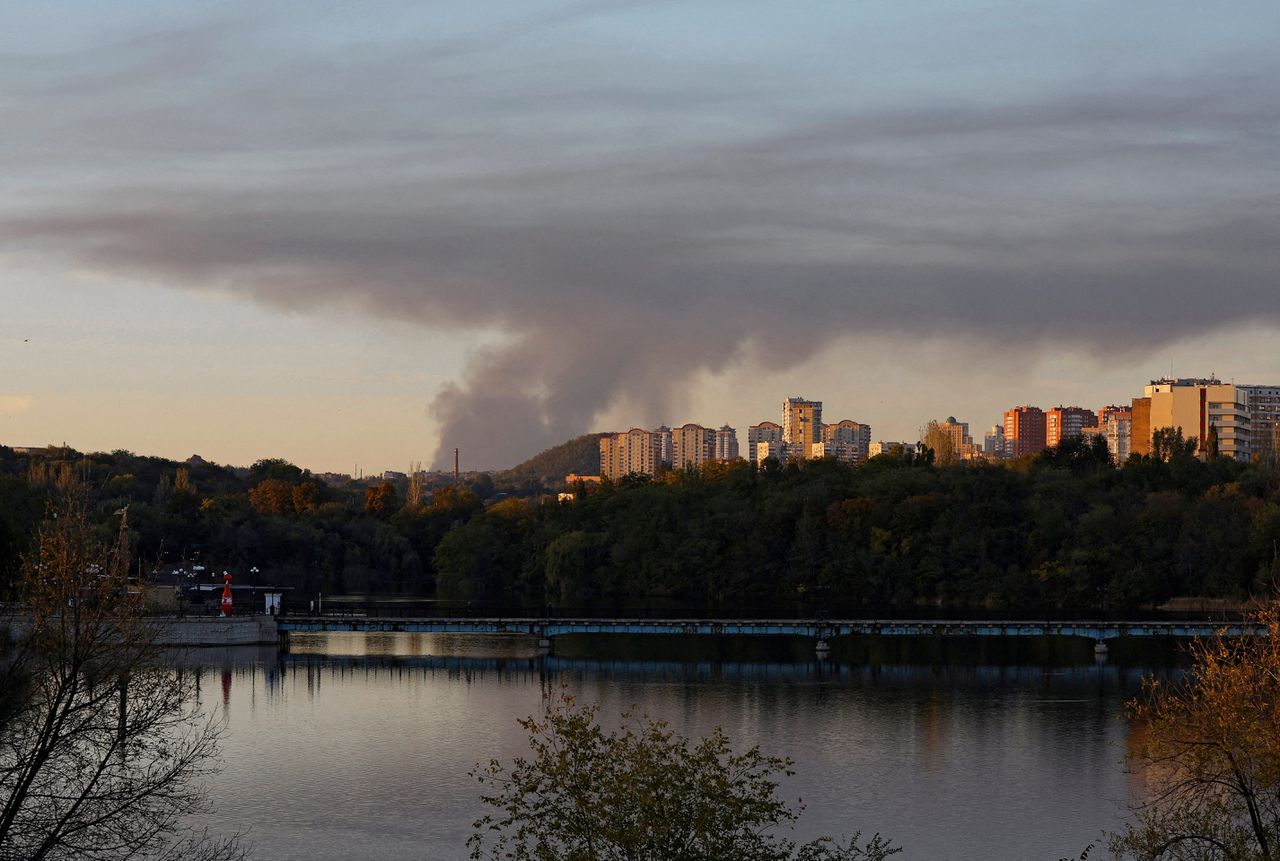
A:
[247,630]
[820,630]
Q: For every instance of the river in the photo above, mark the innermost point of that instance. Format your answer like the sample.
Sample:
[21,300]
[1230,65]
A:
[359,746]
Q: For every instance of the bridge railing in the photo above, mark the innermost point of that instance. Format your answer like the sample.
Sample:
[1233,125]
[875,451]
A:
[424,608]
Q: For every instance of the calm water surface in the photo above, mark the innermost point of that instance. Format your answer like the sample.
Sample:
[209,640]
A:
[359,746]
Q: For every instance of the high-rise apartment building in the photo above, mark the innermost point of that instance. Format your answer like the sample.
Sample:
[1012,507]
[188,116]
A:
[1113,409]
[1264,422]
[622,454]
[1064,422]
[1024,431]
[1195,405]
[847,441]
[726,443]
[801,425]
[1115,425]
[763,432]
[664,445]
[691,446]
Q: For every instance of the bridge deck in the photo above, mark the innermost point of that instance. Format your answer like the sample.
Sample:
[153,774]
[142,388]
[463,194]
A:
[814,628]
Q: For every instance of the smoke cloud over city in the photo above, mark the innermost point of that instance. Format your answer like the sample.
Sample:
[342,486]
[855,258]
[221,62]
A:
[614,206]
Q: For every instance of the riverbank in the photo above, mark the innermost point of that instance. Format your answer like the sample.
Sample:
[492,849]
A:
[197,631]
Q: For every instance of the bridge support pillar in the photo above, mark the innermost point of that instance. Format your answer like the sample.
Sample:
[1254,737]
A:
[1100,649]
[544,644]
[823,648]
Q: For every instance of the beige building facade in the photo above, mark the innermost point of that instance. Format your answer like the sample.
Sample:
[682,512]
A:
[847,441]
[1195,405]
[691,446]
[773,448]
[763,432]
[962,445]
[886,447]
[633,452]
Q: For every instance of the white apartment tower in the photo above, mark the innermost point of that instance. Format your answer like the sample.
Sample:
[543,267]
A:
[726,443]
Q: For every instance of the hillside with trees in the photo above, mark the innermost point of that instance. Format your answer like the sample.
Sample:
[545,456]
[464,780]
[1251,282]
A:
[580,456]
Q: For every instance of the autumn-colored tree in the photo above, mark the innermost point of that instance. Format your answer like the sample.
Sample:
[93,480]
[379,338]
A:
[272,496]
[182,483]
[1208,746]
[103,746]
[935,438]
[457,501]
[307,496]
[382,500]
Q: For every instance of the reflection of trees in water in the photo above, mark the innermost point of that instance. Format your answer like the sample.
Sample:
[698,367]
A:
[1095,681]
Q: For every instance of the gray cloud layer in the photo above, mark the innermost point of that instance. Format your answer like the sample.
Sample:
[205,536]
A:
[624,232]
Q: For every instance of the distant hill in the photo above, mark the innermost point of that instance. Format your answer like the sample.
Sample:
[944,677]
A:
[580,455]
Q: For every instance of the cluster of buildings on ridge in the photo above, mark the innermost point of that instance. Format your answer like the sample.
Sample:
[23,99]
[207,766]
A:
[802,435]
[1246,420]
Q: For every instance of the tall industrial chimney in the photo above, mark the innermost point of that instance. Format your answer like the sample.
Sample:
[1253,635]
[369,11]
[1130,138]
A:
[455,466]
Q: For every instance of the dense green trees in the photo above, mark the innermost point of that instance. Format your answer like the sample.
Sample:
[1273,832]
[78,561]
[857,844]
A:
[1065,530]
[295,529]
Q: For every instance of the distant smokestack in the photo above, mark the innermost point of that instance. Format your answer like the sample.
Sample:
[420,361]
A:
[455,466]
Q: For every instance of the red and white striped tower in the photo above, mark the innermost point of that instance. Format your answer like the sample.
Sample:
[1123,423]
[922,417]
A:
[226,593]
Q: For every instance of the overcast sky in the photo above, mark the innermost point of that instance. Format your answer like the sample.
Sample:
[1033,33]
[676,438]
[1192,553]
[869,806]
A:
[365,233]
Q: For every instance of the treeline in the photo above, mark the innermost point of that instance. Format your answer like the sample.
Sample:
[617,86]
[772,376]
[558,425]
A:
[1062,530]
[298,531]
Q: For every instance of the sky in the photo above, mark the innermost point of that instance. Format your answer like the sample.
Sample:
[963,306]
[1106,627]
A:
[357,235]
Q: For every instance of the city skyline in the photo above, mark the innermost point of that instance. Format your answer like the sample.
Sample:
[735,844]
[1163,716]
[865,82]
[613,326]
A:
[346,236]
[1047,406]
